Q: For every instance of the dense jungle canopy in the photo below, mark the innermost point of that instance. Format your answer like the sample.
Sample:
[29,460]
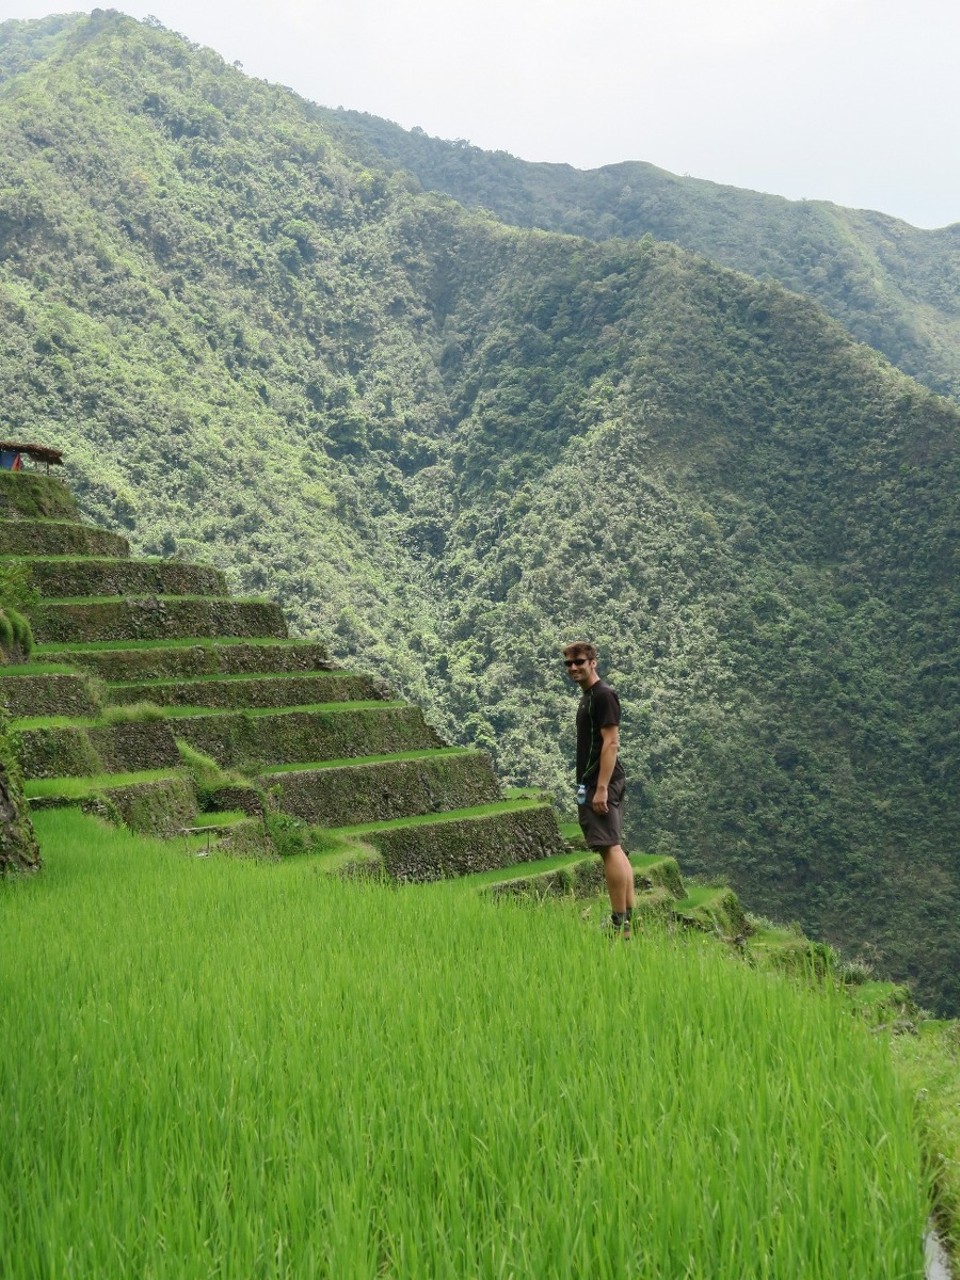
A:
[449,444]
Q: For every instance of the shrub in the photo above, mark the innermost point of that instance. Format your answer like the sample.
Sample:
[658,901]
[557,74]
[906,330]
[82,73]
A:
[16,634]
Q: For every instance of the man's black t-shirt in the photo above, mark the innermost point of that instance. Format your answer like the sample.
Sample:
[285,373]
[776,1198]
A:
[599,708]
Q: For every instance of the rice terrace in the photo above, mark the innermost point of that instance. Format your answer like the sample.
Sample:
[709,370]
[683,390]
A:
[297,992]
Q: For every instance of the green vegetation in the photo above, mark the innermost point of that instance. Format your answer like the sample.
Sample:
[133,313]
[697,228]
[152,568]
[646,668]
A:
[328,708]
[505,806]
[436,753]
[22,723]
[132,713]
[79,787]
[233,1093]
[208,777]
[248,691]
[447,445]
[19,850]
[191,642]
[16,636]
[17,599]
[320,848]
[94,600]
[38,668]
[930,1063]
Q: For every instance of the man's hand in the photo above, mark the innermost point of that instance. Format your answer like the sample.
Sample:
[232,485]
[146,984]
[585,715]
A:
[599,802]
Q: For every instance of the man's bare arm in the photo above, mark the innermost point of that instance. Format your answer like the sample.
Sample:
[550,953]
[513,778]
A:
[609,749]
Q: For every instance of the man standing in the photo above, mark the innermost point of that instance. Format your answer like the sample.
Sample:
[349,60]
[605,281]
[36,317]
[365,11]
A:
[601,780]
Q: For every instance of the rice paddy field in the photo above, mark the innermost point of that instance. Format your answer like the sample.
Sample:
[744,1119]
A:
[240,1069]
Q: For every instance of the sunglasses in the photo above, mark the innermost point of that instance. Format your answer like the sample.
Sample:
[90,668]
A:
[574,662]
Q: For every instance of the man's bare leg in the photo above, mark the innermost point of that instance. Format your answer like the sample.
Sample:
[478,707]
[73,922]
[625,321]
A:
[618,874]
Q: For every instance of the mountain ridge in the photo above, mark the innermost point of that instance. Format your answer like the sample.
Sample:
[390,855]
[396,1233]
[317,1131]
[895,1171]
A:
[894,286]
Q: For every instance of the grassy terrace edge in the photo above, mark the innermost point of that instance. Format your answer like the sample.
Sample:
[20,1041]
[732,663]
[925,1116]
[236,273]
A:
[350,762]
[524,870]
[438,819]
[143,596]
[190,713]
[83,786]
[233,678]
[192,642]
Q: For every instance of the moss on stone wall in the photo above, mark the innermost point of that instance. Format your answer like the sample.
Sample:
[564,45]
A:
[118,577]
[233,796]
[158,618]
[34,496]
[236,740]
[19,850]
[189,660]
[584,879]
[139,744]
[61,751]
[462,846]
[663,873]
[159,807]
[49,695]
[245,840]
[352,794]
[280,691]
[78,751]
[715,910]
[58,538]
[162,808]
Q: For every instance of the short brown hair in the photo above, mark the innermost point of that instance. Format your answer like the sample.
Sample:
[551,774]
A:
[580,649]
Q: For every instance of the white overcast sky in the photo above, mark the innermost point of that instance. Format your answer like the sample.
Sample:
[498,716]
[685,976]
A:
[854,101]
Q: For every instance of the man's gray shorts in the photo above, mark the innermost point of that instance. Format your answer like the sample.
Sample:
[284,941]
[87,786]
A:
[603,830]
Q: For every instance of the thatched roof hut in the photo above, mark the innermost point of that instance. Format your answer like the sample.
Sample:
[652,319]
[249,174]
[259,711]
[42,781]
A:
[12,453]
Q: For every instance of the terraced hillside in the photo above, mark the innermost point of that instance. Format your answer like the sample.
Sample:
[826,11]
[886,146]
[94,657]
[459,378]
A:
[156,698]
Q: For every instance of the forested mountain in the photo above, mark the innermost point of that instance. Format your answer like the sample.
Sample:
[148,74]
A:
[449,445]
[890,284]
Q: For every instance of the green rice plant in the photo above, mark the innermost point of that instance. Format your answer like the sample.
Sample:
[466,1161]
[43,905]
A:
[244,1068]
[74,788]
[130,713]
[227,818]
[39,669]
[53,722]
[527,793]
[929,1063]
[480,878]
